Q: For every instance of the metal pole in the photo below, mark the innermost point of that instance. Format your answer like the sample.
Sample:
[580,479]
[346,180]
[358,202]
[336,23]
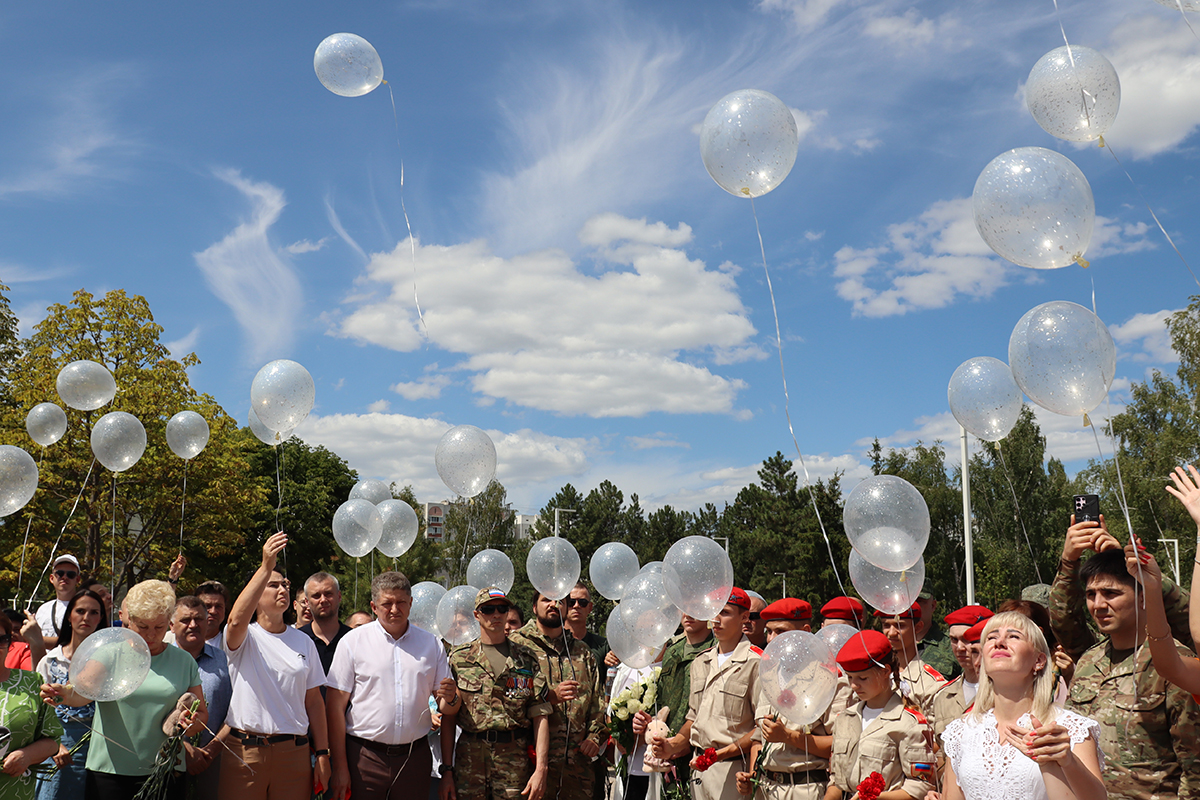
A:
[966,498]
[556,513]
[784,576]
[724,539]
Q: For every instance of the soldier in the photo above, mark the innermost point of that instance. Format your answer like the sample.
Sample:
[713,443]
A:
[574,687]
[879,733]
[842,611]
[919,682]
[933,646]
[953,699]
[1148,727]
[504,695]
[755,627]
[720,706]
[796,763]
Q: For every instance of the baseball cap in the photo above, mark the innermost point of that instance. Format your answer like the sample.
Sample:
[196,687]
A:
[491,595]
[66,557]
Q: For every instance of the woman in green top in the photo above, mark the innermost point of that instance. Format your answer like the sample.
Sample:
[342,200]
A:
[34,727]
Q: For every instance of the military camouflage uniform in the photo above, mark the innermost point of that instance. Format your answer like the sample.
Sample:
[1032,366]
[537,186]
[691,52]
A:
[503,705]
[674,688]
[1148,727]
[571,774]
[935,651]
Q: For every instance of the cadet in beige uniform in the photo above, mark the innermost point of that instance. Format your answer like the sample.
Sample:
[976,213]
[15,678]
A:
[842,611]
[919,682]
[724,683]
[953,699]
[878,734]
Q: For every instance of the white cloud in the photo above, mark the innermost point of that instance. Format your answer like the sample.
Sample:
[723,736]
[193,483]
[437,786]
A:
[537,331]
[29,315]
[1112,237]
[336,223]
[429,388]
[379,406]
[187,344]
[659,439]
[814,236]
[250,276]
[805,13]
[1158,62]
[305,246]
[1144,338]
[11,273]
[913,31]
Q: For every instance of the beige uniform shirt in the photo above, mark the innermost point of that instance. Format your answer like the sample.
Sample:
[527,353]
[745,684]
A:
[843,698]
[949,704]
[721,709]
[782,758]
[896,745]
[919,682]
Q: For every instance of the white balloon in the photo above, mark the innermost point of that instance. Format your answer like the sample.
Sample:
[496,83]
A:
[698,576]
[348,65]
[1073,93]
[1034,207]
[622,642]
[456,615]
[649,625]
[425,597]
[18,479]
[835,636]
[553,567]
[187,434]
[887,522]
[798,676]
[282,394]
[612,566]
[466,460]
[1063,357]
[489,568]
[400,528]
[984,397]
[46,423]
[748,142]
[110,665]
[370,489]
[86,385]
[265,434]
[118,440]
[357,527]
[890,592]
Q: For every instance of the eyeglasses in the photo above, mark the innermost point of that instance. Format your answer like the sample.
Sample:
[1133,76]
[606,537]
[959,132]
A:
[66,573]
[489,610]
[571,602]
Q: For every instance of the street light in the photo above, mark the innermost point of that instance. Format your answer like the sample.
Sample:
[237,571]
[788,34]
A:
[558,511]
[784,576]
[724,539]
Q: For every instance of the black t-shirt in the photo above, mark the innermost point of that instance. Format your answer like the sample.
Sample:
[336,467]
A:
[326,651]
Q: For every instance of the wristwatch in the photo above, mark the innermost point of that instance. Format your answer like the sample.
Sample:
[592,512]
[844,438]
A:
[444,768]
[320,753]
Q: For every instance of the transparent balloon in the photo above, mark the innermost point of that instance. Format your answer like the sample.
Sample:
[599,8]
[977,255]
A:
[425,597]
[1063,357]
[652,566]
[492,568]
[370,489]
[650,586]
[400,527]
[1178,5]
[187,434]
[612,566]
[110,665]
[357,527]
[348,65]
[1034,207]
[265,434]
[118,440]
[553,567]
[835,636]
[86,385]
[748,142]
[798,675]
[18,479]
[698,576]
[46,423]
[622,642]
[648,623]
[282,394]
[456,621]
[890,592]
[1073,93]
[984,397]
[887,522]
[465,460]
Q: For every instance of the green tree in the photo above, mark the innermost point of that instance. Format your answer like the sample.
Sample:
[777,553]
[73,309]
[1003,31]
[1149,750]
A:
[10,344]
[485,521]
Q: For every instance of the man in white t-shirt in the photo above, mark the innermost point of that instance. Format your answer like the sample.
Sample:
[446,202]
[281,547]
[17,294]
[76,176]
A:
[377,699]
[64,577]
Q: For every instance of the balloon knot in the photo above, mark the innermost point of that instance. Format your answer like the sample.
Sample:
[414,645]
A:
[746,190]
[1081,261]
[386,82]
[1087,421]
[1101,141]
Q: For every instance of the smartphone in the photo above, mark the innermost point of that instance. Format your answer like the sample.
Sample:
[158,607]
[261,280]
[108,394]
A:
[1087,507]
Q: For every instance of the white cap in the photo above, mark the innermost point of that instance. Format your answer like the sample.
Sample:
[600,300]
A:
[66,557]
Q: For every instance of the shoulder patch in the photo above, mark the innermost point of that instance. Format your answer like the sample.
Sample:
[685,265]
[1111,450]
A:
[920,717]
[756,650]
[936,675]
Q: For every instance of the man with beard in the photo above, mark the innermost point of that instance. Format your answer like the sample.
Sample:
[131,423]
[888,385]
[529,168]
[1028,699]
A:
[577,726]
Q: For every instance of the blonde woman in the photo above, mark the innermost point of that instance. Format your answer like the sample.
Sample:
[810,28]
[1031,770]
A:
[1014,743]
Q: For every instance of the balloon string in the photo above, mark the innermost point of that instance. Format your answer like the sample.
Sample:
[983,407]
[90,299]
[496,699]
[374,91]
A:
[25,544]
[412,243]
[1084,94]
[113,542]
[183,506]
[54,549]
[1017,506]
[1179,5]
[279,497]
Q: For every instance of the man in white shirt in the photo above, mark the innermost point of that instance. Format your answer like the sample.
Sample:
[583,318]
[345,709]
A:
[377,700]
[64,577]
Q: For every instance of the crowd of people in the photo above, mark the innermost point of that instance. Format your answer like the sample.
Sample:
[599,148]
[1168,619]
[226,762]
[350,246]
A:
[1084,689]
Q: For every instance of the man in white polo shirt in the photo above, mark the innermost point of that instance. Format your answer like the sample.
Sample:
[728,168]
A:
[64,577]
[385,671]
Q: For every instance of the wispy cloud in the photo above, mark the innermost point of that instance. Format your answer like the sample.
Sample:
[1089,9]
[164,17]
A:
[332,215]
[305,246]
[428,388]
[11,273]
[247,273]
[182,346]
[659,439]
[1144,338]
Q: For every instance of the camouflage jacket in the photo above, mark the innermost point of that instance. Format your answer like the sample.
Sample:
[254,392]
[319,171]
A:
[498,702]
[585,714]
[675,680]
[1148,727]
[1069,617]
[935,651]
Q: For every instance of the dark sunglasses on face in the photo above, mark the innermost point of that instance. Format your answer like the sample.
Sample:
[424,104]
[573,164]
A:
[488,610]
[66,573]
[5,641]
[571,602]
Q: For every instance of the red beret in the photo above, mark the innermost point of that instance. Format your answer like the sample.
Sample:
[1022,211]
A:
[788,608]
[913,613]
[968,615]
[864,650]
[972,634]
[739,598]
[843,608]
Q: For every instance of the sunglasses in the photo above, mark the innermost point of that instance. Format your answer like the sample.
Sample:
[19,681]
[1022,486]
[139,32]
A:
[571,602]
[488,610]
[5,641]
[66,573]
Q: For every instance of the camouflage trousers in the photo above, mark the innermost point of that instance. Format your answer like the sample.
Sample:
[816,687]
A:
[571,774]
[491,771]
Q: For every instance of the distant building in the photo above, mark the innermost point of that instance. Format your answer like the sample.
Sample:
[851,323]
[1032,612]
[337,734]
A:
[523,525]
[435,520]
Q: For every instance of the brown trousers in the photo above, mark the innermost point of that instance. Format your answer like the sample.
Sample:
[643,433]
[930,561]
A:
[272,772]
[379,776]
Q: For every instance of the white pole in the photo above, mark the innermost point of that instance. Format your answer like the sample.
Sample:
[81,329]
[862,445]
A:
[966,498]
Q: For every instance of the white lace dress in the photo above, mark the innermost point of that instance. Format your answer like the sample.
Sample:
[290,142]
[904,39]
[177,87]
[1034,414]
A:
[988,770]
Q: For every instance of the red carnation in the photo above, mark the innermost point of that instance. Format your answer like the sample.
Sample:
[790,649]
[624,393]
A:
[871,787]
[787,698]
[706,759]
[532,751]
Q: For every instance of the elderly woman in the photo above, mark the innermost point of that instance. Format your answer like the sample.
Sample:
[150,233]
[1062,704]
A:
[127,733]
[34,729]
[1014,742]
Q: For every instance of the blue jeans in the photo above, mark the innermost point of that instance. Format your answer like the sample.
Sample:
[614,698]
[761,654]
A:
[67,783]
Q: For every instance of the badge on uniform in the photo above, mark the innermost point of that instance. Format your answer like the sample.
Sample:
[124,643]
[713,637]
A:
[922,771]
[519,684]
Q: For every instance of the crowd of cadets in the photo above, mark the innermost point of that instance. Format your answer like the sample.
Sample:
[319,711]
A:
[523,710]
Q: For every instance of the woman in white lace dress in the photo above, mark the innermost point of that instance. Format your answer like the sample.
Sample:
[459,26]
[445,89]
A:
[1014,743]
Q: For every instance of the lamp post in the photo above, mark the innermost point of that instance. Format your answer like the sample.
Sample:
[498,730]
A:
[784,576]
[558,511]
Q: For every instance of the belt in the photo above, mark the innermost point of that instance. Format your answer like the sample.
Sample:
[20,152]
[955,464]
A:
[802,777]
[384,749]
[259,740]
[499,737]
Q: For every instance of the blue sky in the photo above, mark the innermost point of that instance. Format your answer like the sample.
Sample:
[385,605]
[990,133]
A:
[591,297]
